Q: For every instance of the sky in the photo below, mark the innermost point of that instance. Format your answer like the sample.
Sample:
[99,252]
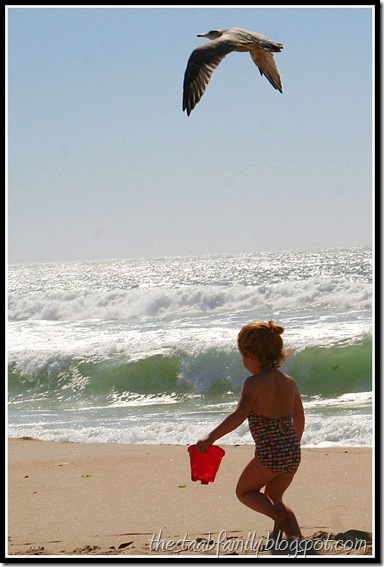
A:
[102,162]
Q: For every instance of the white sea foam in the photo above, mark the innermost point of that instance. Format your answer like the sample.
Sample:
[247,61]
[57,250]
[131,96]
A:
[144,351]
[136,304]
[349,400]
[321,431]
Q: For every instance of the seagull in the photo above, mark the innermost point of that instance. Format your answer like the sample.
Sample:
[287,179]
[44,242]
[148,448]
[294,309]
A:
[204,60]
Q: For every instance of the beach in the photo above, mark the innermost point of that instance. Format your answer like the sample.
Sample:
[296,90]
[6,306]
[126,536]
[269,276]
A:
[116,366]
[98,499]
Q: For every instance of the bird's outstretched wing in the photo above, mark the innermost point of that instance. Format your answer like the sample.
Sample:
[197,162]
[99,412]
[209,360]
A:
[201,64]
[267,66]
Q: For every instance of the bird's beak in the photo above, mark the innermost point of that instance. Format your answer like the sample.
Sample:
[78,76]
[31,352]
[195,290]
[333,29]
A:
[201,35]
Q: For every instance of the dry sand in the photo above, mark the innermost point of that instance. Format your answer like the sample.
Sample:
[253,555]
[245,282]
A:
[68,499]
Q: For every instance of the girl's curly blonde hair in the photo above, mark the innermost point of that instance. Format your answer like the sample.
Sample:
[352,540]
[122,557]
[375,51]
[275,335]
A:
[264,341]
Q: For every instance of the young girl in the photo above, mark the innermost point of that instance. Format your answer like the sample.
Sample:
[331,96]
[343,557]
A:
[271,402]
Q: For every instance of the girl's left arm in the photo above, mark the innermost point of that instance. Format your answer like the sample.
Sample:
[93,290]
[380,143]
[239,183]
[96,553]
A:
[298,416]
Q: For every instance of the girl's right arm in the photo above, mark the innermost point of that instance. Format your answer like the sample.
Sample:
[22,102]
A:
[233,420]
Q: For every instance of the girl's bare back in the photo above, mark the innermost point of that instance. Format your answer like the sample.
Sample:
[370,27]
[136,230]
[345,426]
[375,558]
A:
[275,393]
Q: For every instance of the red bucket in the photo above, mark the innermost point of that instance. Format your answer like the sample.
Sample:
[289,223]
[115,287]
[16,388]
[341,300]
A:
[205,466]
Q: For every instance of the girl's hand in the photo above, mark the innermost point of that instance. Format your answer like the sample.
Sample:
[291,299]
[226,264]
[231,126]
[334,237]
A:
[203,445]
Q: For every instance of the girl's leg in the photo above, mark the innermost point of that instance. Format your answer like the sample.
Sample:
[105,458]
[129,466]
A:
[251,481]
[275,490]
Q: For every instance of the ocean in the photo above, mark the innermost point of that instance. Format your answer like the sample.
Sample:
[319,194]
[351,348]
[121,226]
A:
[144,350]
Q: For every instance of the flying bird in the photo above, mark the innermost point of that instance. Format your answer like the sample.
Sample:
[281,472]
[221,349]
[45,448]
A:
[204,60]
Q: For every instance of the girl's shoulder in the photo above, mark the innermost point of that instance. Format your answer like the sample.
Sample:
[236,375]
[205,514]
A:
[279,380]
[289,381]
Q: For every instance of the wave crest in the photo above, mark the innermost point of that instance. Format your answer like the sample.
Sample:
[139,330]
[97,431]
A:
[134,304]
[211,372]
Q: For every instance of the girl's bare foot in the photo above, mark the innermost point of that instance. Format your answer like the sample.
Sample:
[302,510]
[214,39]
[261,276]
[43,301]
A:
[292,529]
[282,522]
[286,523]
